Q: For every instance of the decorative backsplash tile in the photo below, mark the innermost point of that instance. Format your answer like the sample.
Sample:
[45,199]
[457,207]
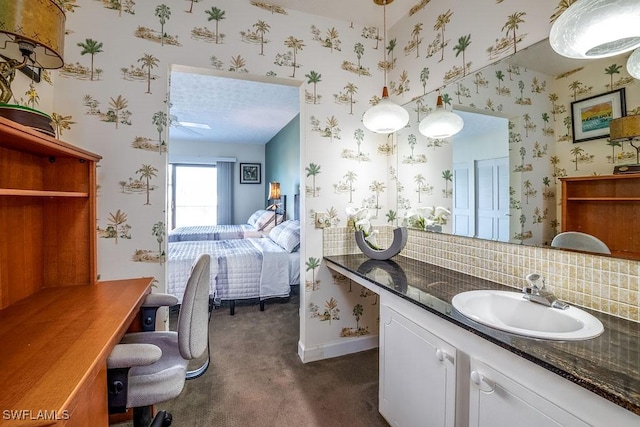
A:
[603,284]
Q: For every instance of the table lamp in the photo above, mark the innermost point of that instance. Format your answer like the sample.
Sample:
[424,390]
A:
[31,35]
[274,194]
[622,129]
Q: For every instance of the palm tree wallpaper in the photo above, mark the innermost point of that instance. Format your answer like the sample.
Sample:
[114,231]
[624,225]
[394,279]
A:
[110,98]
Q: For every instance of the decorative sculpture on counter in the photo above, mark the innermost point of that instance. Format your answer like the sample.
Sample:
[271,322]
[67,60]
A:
[359,222]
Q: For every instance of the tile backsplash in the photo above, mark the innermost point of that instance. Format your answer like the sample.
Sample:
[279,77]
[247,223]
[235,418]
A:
[604,284]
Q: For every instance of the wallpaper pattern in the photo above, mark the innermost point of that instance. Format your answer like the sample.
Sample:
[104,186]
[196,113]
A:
[112,97]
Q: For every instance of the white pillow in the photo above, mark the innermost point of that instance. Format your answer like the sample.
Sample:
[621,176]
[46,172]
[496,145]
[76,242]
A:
[266,221]
[253,219]
[287,235]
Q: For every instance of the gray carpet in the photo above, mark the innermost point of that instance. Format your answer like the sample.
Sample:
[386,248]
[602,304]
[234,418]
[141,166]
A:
[257,379]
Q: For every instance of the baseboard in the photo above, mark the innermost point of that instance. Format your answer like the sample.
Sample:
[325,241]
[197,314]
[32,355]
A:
[337,348]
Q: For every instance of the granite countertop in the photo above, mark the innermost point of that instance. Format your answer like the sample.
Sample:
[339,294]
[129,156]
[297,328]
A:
[608,365]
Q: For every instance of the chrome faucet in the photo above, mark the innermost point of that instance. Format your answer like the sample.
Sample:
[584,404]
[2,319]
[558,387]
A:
[535,293]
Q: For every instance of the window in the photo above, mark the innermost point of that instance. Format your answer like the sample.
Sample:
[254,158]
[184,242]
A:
[193,195]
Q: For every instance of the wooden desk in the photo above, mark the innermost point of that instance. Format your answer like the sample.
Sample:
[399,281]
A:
[53,350]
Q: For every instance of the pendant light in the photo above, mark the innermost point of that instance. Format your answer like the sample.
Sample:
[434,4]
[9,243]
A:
[597,29]
[386,116]
[633,64]
[441,123]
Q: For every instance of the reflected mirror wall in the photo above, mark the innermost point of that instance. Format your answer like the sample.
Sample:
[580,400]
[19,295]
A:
[519,166]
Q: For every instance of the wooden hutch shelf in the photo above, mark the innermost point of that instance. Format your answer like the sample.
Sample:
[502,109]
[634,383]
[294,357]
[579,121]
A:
[607,207]
[47,213]
[38,193]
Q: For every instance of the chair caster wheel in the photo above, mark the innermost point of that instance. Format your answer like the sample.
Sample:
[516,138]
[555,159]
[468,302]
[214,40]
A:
[162,419]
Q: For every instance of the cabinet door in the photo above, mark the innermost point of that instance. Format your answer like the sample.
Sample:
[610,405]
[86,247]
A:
[417,374]
[498,400]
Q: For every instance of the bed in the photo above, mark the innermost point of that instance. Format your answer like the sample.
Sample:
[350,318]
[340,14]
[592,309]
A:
[241,269]
[258,224]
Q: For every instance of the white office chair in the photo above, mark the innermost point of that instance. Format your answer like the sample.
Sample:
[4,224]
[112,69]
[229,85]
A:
[147,368]
[580,242]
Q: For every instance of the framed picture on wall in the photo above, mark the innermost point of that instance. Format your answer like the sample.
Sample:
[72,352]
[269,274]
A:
[590,117]
[250,173]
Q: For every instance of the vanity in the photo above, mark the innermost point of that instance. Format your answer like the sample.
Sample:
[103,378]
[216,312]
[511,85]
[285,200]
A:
[438,367]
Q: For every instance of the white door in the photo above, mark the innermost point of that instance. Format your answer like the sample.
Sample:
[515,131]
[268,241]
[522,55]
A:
[497,400]
[462,215]
[492,199]
[417,374]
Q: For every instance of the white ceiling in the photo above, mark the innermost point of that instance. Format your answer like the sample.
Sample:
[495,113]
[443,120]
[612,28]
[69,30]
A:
[237,111]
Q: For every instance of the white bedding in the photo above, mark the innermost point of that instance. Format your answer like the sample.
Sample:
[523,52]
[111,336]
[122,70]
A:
[213,232]
[240,268]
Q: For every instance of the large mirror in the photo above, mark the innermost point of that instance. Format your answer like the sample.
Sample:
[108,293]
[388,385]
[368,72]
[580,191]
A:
[497,179]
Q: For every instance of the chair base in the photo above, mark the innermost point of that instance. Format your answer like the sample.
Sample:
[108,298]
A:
[142,417]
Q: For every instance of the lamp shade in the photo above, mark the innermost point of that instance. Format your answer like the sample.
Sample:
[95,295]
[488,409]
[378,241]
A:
[386,116]
[624,128]
[274,191]
[596,29]
[441,123]
[633,64]
[40,23]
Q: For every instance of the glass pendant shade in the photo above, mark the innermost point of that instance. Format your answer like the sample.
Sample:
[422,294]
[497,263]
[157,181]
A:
[386,116]
[597,29]
[633,64]
[441,123]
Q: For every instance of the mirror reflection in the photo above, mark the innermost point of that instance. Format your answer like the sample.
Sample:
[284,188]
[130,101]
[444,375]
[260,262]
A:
[499,178]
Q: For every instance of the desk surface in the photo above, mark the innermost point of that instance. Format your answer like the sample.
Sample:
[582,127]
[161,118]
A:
[51,342]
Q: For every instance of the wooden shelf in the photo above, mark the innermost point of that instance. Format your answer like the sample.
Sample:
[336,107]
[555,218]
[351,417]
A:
[40,193]
[22,138]
[47,213]
[606,207]
[603,199]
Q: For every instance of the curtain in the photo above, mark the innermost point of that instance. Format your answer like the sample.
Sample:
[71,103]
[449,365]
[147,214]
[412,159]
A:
[225,192]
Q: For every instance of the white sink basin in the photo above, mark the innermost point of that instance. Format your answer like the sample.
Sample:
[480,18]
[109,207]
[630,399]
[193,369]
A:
[510,312]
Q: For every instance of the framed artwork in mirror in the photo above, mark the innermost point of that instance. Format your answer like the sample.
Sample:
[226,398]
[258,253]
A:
[250,173]
[590,117]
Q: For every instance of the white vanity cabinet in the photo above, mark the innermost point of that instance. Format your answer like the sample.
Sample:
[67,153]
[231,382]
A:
[417,374]
[496,399]
[435,373]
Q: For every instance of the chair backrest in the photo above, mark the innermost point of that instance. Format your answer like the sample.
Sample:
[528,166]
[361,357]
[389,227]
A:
[580,242]
[193,318]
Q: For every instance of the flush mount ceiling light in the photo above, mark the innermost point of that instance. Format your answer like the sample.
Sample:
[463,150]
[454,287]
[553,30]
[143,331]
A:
[633,64]
[597,29]
[441,123]
[386,116]
[195,125]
